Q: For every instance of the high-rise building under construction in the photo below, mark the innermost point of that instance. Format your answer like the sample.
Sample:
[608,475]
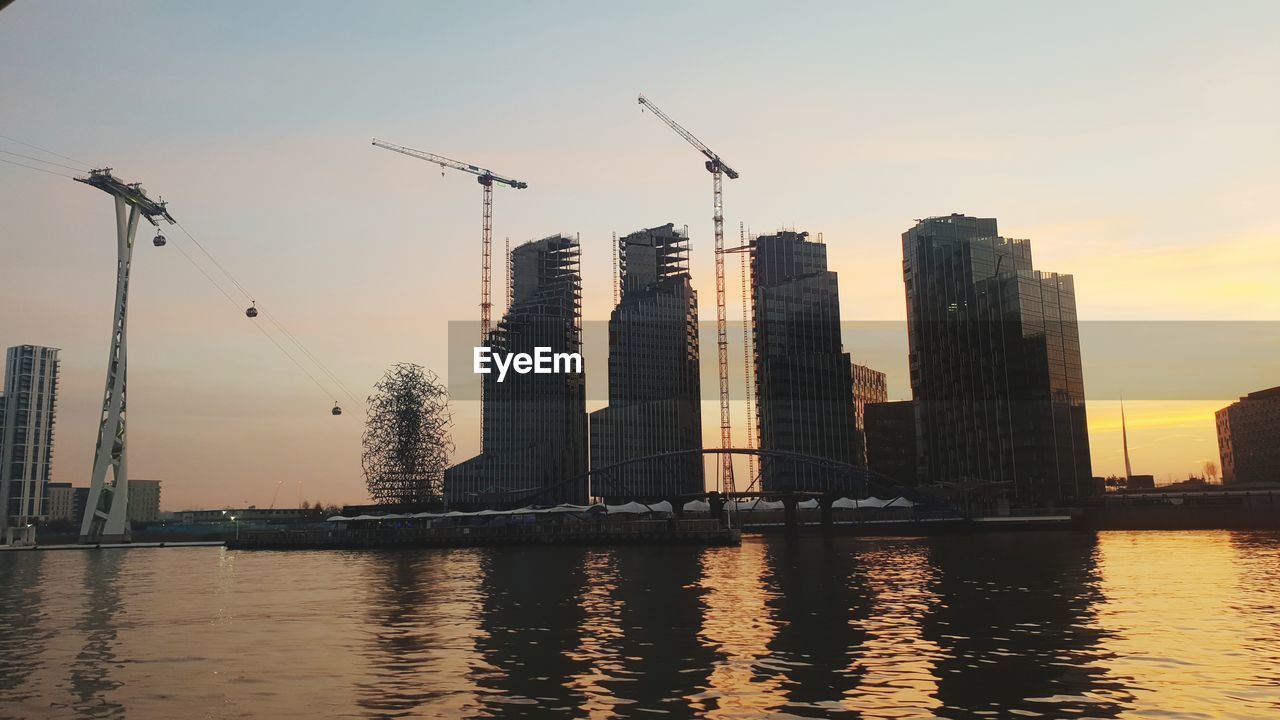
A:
[804,383]
[654,404]
[994,355]
[535,424]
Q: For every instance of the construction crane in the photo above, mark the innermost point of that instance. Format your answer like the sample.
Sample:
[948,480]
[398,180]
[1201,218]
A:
[486,178]
[717,168]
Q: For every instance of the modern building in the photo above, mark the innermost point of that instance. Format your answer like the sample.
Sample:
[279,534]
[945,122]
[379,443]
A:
[869,386]
[654,389]
[144,501]
[60,503]
[891,441]
[994,355]
[1249,438]
[804,379]
[28,410]
[535,424]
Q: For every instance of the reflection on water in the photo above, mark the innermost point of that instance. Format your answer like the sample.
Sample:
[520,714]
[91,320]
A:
[896,666]
[91,677]
[1031,624]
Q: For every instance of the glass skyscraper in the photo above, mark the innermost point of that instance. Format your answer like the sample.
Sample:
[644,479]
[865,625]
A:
[994,355]
[535,425]
[654,403]
[804,381]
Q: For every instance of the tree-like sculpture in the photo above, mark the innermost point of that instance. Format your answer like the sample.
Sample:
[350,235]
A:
[406,438]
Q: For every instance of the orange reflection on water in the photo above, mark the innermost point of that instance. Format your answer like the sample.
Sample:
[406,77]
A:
[897,664]
[1182,615]
[737,624]
[599,636]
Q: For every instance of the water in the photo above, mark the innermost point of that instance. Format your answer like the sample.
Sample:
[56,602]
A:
[1171,625]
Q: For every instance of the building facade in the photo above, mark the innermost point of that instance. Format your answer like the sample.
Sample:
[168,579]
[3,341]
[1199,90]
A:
[28,410]
[535,425]
[804,379]
[60,503]
[869,386]
[994,355]
[1249,438]
[891,442]
[144,500]
[654,389]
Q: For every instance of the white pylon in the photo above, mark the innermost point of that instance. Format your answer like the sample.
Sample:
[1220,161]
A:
[106,512]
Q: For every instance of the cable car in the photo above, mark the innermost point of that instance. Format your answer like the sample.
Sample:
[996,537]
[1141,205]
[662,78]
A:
[336,410]
[159,240]
[252,312]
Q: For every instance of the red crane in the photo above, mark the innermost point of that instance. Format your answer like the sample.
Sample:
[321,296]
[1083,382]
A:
[486,178]
[717,168]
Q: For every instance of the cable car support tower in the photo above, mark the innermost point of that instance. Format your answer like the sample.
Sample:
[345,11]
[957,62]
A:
[717,168]
[106,517]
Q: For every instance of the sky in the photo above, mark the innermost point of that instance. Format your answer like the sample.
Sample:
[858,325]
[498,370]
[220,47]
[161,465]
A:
[1135,144]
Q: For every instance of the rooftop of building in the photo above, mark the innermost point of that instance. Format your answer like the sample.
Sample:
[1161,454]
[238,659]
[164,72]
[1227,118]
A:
[1268,394]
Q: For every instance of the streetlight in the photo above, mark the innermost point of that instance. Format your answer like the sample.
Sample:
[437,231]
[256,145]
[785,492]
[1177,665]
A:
[233,519]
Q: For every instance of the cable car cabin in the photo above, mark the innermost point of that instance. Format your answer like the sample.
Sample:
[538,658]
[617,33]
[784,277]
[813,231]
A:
[159,240]
[337,410]
[252,312]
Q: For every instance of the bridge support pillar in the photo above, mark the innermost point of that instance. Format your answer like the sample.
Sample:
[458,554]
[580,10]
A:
[790,515]
[828,522]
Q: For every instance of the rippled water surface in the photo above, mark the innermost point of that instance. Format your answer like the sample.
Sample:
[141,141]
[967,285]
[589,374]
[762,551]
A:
[1171,625]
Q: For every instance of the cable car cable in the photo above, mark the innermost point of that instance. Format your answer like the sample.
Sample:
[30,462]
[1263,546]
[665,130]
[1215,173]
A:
[262,330]
[307,352]
[39,160]
[279,325]
[46,150]
[33,167]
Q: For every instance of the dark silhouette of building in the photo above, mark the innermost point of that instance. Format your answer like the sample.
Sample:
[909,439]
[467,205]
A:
[1249,438]
[1141,482]
[804,385]
[891,441]
[995,363]
[535,424]
[654,403]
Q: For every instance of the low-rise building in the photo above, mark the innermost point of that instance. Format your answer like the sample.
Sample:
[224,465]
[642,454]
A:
[1141,482]
[60,502]
[241,515]
[144,500]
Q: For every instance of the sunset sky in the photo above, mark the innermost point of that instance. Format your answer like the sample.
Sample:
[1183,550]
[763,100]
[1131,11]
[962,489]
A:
[1135,144]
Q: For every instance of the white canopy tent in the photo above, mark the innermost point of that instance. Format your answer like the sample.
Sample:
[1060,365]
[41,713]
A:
[638,508]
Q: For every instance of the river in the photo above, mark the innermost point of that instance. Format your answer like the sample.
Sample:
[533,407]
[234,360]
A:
[1037,624]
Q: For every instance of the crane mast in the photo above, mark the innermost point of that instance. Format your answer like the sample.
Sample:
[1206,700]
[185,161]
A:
[717,168]
[486,178]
